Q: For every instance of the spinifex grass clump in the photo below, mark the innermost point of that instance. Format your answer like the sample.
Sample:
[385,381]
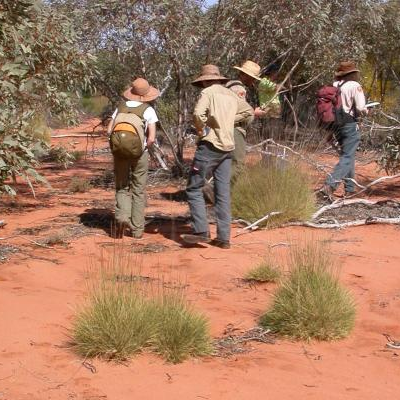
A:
[311,303]
[124,317]
[181,332]
[263,188]
[264,272]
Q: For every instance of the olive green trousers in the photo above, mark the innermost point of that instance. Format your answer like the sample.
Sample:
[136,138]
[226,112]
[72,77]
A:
[238,156]
[130,190]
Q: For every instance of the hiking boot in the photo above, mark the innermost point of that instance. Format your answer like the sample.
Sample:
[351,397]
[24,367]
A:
[208,193]
[220,243]
[195,238]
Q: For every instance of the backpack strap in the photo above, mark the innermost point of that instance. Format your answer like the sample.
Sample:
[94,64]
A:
[139,110]
[353,106]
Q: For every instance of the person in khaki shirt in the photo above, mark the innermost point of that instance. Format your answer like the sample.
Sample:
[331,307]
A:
[215,114]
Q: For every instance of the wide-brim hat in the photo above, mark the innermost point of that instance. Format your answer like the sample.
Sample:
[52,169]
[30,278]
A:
[140,90]
[346,67]
[209,72]
[250,68]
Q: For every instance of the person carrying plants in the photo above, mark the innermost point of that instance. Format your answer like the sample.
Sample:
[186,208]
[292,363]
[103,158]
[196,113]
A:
[214,116]
[132,130]
[348,102]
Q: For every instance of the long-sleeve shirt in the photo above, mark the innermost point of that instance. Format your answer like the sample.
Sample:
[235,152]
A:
[352,96]
[218,108]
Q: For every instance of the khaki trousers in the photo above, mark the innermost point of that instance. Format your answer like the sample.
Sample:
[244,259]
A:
[238,156]
[130,187]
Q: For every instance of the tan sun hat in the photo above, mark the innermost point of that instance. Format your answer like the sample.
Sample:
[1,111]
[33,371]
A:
[209,72]
[140,90]
[346,67]
[250,68]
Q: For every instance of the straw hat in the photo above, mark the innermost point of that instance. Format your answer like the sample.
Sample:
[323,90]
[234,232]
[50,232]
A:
[250,68]
[209,72]
[346,67]
[140,90]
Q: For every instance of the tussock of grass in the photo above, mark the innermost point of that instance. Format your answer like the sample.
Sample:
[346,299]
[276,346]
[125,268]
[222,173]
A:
[79,185]
[263,188]
[124,318]
[94,105]
[311,303]
[264,272]
[182,332]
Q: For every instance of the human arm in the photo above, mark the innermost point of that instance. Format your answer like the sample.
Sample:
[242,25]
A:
[111,123]
[200,114]
[359,100]
[151,134]
[245,113]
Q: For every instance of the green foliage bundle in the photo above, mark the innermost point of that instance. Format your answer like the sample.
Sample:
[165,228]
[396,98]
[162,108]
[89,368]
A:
[79,185]
[40,66]
[263,188]
[311,303]
[390,157]
[125,315]
[264,272]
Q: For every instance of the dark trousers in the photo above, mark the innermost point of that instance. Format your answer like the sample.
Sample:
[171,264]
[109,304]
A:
[348,138]
[212,161]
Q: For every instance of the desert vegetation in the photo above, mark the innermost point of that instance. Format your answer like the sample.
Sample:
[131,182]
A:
[311,303]
[123,317]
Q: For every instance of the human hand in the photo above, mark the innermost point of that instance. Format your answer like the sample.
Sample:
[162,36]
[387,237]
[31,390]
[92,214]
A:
[259,112]
[150,142]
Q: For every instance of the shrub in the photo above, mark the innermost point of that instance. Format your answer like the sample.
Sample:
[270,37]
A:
[58,155]
[125,317]
[182,332]
[94,105]
[311,303]
[264,272]
[79,185]
[390,158]
[263,188]
[77,155]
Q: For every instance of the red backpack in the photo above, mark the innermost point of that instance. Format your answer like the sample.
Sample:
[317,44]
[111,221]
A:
[330,111]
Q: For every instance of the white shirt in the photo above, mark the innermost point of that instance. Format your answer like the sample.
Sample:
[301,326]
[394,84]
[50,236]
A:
[149,115]
[351,93]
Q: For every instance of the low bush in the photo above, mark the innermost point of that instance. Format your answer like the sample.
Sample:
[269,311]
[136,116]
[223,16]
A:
[264,272]
[79,185]
[94,105]
[311,303]
[181,332]
[124,317]
[58,155]
[263,188]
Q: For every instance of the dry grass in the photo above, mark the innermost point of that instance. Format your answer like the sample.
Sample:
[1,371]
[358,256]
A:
[263,188]
[311,303]
[79,185]
[266,271]
[124,317]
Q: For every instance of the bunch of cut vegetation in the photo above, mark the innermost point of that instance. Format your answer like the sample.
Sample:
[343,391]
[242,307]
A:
[58,155]
[311,303]
[79,185]
[122,318]
[266,271]
[264,188]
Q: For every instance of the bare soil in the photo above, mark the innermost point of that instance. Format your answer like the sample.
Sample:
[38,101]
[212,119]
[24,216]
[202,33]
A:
[49,242]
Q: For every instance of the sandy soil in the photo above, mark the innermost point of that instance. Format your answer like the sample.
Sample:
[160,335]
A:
[41,287]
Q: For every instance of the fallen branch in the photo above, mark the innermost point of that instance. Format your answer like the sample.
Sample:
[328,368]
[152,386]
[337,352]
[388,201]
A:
[340,203]
[76,135]
[375,182]
[336,225]
[255,226]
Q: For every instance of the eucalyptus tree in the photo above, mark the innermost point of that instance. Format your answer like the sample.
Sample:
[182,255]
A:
[41,70]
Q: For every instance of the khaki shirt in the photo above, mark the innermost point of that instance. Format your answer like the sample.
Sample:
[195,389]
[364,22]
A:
[219,109]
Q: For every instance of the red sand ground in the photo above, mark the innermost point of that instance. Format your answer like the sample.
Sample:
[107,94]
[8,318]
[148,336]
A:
[40,289]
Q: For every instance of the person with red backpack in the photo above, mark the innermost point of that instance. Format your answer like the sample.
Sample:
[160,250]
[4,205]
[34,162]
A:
[132,131]
[338,108]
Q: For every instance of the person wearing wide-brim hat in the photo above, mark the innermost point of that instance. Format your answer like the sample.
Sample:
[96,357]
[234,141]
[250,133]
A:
[132,130]
[214,118]
[347,77]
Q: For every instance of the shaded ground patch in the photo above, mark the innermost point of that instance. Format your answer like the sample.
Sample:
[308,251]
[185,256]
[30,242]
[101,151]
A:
[357,211]
[236,341]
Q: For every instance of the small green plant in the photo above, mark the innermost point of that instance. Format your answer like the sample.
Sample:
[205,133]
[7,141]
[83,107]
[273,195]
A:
[182,332]
[94,105]
[58,155]
[77,155]
[124,317]
[264,272]
[311,303]
[263,188]
[79,185]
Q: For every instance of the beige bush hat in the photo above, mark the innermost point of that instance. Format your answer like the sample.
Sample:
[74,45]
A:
[209,72]
[250,68]
[346,67]
[140,90]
